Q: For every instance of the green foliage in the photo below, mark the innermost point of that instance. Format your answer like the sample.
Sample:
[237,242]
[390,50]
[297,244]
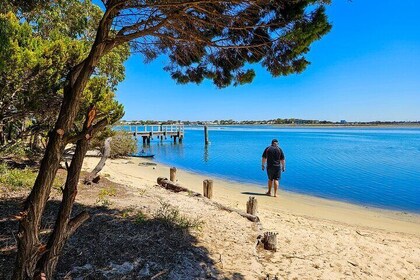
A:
[103,196]
[37,50]
[171,217]
[220,41]
[17,149]
[123,144]
[140,217]
[16,179]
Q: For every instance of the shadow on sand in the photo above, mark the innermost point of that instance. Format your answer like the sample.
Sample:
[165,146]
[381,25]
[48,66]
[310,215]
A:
[115,245]
[255,193]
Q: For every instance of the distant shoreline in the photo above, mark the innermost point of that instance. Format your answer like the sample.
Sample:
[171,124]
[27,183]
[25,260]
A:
[322,125]
[400,125]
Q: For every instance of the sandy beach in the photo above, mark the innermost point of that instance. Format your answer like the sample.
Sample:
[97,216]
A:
[318,238]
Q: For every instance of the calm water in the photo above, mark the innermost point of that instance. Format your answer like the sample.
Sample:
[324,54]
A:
[374,167]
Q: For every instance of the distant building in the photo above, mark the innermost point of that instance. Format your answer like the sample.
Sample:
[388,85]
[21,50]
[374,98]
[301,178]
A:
[343,121]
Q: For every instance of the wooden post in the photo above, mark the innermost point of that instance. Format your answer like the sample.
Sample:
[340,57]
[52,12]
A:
[208,188]
[172,174]
[270,241]
[206,135]
[251,206]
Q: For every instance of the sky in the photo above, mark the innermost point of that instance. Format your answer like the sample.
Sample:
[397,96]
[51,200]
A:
[366,69]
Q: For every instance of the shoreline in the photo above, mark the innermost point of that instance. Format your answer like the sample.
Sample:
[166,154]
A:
[263,188]
[136,171]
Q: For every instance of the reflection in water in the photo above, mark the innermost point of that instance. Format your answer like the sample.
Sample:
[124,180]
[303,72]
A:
[165,149]
[206,153]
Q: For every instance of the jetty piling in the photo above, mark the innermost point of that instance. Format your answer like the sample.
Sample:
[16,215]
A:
[206,135]
[251,206]
[172,174]
[208,188]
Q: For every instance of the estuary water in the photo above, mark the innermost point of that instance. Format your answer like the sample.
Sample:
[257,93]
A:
[377,167]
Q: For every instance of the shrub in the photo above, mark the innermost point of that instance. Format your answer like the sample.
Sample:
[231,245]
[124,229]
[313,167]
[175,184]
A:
[123,144]
[15,179]
[171,217]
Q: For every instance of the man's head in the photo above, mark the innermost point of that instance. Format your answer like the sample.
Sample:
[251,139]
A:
[275,142]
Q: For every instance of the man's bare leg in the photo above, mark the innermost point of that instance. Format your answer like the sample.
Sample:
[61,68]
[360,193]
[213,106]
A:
[276,186]
[269,187]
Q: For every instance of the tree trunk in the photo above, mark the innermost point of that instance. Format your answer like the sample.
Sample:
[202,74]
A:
[64,227]
[30,249]
[270,241]
[101,164]
[2,138]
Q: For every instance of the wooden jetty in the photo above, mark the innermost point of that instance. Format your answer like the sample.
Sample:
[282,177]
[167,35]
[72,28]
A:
[148,132]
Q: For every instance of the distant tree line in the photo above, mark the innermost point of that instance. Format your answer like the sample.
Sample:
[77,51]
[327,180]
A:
[291,121]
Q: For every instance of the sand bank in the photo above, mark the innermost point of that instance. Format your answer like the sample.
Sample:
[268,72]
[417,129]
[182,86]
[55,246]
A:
[236,194]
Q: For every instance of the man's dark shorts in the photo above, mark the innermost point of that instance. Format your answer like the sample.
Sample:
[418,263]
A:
[273,173]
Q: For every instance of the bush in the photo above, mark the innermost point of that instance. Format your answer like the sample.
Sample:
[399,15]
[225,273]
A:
[15,179]
[123,144]
[171,217]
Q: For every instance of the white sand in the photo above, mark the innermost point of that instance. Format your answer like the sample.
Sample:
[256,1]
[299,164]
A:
[318,238]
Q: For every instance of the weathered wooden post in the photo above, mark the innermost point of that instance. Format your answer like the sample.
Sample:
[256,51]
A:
[208,188]
[206,135]
[172,174]
[270,241]
[251,206]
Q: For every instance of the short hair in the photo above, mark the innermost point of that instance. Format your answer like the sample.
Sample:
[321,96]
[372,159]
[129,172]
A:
[274,141]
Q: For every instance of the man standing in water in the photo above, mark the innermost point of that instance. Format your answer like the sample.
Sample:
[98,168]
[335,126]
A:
[276,163]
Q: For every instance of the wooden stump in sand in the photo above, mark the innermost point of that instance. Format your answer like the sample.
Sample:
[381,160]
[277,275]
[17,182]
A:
[251,206]
[270,241]
[172,174]
[208,188]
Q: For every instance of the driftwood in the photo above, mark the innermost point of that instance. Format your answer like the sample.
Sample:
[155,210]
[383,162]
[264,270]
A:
[93,176]
[167,184]
[250,217]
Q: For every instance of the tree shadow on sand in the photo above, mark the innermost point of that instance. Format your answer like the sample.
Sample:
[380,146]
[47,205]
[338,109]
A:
[116,244]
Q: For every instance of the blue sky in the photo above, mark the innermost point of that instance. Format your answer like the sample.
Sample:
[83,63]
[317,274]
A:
[367,68]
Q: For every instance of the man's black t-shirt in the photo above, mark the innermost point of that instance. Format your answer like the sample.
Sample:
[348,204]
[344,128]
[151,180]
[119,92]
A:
[273,155]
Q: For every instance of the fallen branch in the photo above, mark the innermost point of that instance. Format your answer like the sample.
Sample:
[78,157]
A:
[169,185]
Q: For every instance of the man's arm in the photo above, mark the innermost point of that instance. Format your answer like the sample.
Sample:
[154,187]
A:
[263,161]
[283,164]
